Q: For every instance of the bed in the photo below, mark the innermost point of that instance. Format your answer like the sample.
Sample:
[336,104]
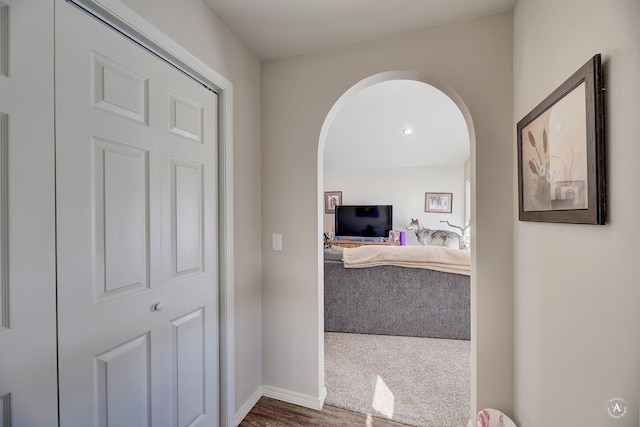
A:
[421,291]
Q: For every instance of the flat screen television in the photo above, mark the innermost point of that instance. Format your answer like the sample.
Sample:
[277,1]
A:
[364,221]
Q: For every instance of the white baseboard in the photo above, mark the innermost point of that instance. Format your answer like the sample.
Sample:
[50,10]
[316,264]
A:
[323,396]
[248,405]
[283,395]
[295,398]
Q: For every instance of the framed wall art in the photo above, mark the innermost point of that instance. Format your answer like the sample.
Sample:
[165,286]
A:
[331,200]
[394,236]
[438,202]
[561,159]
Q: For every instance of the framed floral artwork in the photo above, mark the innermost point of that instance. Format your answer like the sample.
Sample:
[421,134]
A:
[561,162]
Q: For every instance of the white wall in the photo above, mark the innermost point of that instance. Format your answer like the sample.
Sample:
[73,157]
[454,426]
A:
[405,189]
[474,58]
[577,287]
[192,25]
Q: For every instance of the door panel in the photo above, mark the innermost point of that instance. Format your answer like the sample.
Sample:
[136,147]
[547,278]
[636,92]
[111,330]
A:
[4,241]
[137,272]
[186,218]
[188,172]
[108,244]
[185,117]
[122,213]
[28,389]
[4,39]
[119,90]
[123,380]
[188,368]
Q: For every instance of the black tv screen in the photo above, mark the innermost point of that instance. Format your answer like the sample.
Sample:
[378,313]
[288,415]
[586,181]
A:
[364,220]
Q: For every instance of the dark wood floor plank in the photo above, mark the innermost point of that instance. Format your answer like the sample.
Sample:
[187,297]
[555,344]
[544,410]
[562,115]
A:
[274,413]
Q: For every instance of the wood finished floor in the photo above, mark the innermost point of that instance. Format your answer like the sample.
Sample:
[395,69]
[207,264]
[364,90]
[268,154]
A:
[272,413]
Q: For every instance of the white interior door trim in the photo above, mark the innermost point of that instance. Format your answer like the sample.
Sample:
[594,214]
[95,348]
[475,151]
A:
[119,16]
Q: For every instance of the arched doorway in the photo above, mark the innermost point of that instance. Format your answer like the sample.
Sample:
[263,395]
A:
[325,134]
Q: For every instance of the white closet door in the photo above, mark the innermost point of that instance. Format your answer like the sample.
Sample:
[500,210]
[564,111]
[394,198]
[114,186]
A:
[28,387]
[188,175]
[136,209]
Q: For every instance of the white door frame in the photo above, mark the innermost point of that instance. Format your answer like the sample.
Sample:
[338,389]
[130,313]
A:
[131,25]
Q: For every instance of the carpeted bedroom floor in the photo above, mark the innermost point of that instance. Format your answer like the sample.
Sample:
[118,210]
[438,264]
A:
[422,382]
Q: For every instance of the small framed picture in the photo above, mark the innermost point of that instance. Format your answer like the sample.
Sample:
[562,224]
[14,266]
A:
[394,235]
[438,202]
[331,200]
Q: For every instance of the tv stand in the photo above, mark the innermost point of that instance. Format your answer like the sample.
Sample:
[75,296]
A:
[344,243]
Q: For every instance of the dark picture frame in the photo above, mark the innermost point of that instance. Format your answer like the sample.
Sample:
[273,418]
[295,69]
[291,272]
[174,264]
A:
[331,200]
[561,153]
[438,202]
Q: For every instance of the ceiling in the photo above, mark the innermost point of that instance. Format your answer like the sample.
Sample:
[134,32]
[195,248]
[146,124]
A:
[368,130]
[367,133]
[277,28]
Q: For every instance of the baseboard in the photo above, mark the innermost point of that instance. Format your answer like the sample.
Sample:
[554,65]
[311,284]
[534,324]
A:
[323,396]
[248,405]
[295,398]
[283,395]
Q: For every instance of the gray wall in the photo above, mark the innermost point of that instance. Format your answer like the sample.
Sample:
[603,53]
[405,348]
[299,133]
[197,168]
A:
[474,58]
[577,287]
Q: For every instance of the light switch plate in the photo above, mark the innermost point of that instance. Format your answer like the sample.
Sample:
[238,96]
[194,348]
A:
[276,242]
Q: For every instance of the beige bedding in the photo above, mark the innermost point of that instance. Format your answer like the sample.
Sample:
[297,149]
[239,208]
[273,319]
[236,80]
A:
[430,257]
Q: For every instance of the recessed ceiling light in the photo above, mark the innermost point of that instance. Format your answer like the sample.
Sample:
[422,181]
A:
[407,131]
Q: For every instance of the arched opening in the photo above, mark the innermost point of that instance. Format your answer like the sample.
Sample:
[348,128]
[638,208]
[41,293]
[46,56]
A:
[467,213]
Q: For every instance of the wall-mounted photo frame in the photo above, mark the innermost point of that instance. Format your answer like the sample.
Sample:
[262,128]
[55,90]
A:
[331,200]
[438,202]
[561,153]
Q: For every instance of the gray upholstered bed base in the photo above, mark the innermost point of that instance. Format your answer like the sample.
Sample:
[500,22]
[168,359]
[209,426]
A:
[390,300]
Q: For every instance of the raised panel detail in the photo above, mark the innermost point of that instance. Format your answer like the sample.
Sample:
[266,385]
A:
[4,223]
[187,217]
[187,334]
[122,219]
[5,410]
[4,39]
[119,90]
[123,384]
[185,118]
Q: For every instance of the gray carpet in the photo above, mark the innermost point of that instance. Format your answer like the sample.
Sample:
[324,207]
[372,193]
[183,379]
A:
[422,382]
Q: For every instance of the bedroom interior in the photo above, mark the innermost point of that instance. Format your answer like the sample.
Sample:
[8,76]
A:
[396,315]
